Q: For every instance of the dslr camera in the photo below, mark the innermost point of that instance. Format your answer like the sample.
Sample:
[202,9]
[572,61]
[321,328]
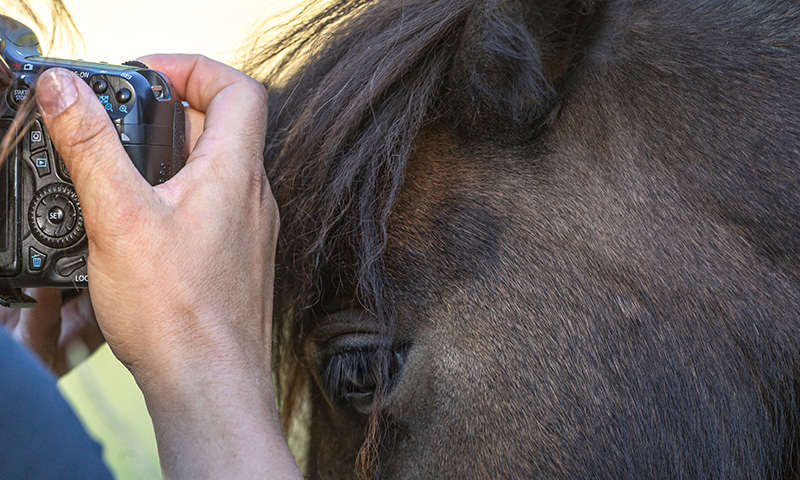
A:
[42,236]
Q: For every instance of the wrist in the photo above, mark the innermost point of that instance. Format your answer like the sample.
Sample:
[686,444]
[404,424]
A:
[217,420]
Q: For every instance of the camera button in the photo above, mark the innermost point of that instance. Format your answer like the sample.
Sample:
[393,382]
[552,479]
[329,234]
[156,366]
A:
[62,167]
[123,95]
[36,135]
[56,215]
[99,86]
[67,265]
[36,259]
[42,163]
[19,92]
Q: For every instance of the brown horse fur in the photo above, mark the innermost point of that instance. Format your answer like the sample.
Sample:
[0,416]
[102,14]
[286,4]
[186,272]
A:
[540,239]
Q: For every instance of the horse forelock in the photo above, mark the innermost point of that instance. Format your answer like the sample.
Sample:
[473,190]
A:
[343,126]
[367,77]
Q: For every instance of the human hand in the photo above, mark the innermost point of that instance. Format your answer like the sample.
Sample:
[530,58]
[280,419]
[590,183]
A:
[53,327]
[181,274]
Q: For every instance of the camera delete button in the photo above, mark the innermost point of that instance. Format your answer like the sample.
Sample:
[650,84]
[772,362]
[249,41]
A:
[36,259]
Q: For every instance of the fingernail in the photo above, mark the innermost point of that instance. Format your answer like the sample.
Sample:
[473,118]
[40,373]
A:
[55,91]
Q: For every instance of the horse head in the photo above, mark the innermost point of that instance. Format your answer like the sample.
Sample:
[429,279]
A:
[552,239]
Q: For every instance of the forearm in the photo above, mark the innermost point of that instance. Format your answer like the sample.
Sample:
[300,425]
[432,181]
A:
[218,422]
[198,344]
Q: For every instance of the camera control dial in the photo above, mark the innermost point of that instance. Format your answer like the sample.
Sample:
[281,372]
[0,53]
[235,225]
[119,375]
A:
[55,216]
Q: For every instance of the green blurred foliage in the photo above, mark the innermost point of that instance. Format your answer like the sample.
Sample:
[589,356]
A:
[106,398]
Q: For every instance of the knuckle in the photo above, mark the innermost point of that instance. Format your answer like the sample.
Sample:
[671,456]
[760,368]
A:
[269,205]
[262,199]
[83,138]
[257,92]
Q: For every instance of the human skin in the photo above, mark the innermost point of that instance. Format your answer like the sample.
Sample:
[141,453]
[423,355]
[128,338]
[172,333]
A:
[50,329]
[181,274]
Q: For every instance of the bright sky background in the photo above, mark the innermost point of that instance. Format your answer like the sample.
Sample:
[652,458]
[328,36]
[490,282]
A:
[115,30]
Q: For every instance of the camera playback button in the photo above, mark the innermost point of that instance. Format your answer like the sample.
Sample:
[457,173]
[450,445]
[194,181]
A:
[41,161]
[66,266]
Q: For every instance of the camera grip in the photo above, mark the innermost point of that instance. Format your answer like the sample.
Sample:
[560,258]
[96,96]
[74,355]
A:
[159,163]
[179,151]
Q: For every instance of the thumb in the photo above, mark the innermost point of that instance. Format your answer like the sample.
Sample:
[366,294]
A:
[104,176]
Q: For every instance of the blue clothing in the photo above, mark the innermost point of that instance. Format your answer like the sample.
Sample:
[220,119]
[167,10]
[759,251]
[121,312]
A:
[40,436]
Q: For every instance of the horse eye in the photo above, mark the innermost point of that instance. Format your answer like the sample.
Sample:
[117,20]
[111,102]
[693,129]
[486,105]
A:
[353,376]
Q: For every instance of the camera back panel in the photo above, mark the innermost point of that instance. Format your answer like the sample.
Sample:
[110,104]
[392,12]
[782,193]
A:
[42,236]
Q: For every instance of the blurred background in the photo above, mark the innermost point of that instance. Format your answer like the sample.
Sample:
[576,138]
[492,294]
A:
[115,31]
[101,390]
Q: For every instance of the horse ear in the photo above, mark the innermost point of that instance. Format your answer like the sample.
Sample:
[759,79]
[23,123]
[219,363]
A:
[511,66]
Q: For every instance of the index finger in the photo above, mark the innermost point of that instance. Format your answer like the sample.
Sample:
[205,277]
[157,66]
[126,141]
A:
[223,93]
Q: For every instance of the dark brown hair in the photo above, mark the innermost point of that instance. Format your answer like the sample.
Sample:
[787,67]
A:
[352,83]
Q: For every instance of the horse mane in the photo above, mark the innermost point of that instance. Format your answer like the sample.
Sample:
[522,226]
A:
[352,84]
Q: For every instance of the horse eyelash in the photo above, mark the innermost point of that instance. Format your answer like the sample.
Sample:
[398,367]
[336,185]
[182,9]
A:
[351,370]
[359,370]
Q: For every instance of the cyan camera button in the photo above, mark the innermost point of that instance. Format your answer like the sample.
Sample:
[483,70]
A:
[42,163]
[36,259]
[67,265]
[36,135]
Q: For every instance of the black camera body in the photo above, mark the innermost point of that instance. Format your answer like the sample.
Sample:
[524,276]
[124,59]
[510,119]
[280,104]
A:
[42,236]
